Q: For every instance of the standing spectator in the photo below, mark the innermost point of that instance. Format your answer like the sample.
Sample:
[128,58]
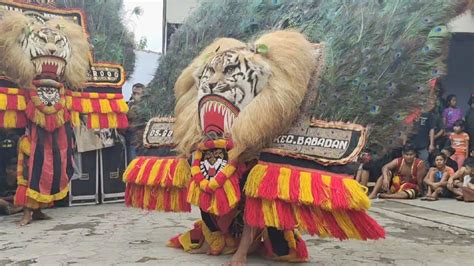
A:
[470,123]
[452,113]
[437,178]
[423,139]
[138,90]
[439,131]
[460,143]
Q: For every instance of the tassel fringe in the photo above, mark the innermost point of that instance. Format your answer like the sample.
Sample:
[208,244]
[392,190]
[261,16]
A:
[103,110]
[317,202]
[160,184]
[12,108]
[305,186]
[341,224]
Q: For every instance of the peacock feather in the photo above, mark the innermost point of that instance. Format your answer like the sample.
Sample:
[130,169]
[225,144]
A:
[379,54]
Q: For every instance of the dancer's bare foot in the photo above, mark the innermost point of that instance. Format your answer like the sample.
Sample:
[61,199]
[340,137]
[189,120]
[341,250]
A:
[238,259]
[39,215]
[201,250]
[27,217]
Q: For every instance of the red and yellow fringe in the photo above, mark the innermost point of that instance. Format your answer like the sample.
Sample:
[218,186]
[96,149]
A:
[24,147]
[155,183]
[103,110]
[311,187]
[12,119]
[317,202]
[12,107]
[220,194]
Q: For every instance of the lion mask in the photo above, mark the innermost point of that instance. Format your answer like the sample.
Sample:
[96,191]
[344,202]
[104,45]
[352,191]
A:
[250,93]
[31,47]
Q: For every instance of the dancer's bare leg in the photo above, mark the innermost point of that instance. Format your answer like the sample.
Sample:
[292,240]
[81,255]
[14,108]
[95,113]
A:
[377,187]
[398,195]
[27,217]
[240,256]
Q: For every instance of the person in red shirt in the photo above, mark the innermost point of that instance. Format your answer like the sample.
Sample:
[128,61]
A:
[401,178]
[460,143]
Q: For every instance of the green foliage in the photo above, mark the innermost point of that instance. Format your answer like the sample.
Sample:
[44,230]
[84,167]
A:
[111,41]
[379,55]
[142,44]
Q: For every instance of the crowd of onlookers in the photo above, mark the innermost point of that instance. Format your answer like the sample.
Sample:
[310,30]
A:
[436,160]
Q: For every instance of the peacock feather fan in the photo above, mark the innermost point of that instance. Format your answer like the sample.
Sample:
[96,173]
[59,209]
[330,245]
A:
[379,54]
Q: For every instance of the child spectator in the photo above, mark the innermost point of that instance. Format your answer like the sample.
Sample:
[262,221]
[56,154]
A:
[462,182]
[449,151]
[437,178]
[459,142]
[8,188]
[451,114]
[470,122]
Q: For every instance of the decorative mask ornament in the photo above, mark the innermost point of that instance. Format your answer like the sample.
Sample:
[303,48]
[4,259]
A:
[49,50]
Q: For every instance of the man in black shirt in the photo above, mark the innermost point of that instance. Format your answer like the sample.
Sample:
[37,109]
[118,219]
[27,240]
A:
[423,137]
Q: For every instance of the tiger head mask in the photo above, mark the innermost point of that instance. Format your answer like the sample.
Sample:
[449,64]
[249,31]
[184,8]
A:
[237,91]
[31,47]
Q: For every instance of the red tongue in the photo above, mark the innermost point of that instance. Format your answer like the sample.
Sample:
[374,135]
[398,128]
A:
[49,70]
[213,122]
[211,172]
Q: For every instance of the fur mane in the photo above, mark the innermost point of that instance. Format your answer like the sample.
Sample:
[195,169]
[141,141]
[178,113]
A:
[291,60]
[17,64]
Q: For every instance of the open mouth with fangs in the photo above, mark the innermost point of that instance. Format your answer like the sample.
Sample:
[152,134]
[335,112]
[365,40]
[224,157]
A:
[49,66]
[217,114]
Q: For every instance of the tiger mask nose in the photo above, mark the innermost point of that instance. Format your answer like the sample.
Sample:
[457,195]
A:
[212,85]
[51,48]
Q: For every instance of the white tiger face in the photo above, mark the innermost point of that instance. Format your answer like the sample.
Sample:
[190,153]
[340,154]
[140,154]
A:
[48,49]
[226,85]
[232,76]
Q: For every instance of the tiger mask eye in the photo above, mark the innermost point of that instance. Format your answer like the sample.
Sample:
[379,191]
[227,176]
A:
[229,69]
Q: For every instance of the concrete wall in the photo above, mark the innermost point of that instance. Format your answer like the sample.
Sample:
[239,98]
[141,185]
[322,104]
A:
[178,10]
[462,23]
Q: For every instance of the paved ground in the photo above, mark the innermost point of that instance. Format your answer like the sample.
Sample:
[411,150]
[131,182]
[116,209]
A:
[418,234]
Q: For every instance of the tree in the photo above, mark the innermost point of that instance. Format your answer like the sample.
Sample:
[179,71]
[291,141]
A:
[143,43]
[111,40]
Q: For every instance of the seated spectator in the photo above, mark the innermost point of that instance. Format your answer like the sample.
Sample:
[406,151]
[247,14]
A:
[371,167]
[449,151]
[401,178]
[8,189]
[463,179]
[437,178]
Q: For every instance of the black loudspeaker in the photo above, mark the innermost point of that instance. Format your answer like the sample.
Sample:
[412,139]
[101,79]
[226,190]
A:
[84,187]
[113,162]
